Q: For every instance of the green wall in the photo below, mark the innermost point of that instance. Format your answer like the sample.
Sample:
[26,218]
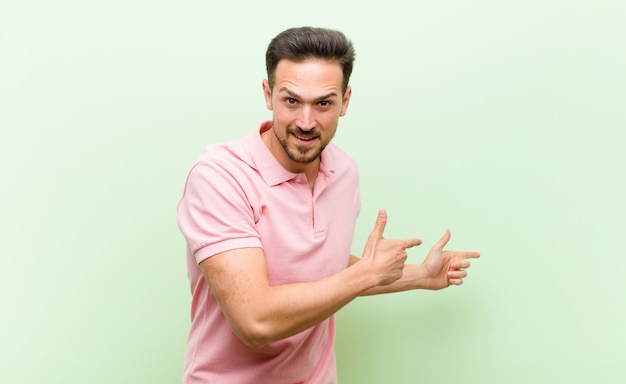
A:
[502,120]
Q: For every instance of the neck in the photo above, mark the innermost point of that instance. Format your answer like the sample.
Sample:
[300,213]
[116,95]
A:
[312,172]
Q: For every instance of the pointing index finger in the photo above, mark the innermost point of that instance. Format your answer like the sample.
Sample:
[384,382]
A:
[410,243]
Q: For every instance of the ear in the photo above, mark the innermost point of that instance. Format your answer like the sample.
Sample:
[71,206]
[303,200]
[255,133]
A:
[267,93]
[346,101]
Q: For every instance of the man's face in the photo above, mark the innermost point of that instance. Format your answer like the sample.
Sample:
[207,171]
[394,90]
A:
[307,102]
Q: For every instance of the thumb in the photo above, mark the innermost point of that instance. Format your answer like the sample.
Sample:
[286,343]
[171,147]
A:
[376,234]
[443,241]
[381,222]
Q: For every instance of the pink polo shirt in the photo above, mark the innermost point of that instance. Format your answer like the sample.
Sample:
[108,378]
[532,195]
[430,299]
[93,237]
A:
[237,195]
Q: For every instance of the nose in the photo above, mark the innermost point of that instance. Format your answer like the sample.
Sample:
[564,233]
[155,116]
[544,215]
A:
[306,119]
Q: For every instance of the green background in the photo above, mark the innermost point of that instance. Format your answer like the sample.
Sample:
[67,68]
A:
[501,120]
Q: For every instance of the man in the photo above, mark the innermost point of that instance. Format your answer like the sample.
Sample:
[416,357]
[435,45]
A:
[269,222]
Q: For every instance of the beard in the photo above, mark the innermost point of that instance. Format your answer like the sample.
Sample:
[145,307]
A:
[302,154]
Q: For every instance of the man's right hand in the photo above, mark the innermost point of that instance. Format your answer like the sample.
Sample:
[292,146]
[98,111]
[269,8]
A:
[386,256]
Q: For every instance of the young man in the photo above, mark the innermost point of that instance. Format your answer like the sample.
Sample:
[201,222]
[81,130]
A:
[269,222]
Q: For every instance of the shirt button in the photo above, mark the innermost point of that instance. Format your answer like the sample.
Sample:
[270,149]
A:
[297,180]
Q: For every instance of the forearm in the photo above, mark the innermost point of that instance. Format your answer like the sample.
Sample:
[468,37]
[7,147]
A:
[270,313]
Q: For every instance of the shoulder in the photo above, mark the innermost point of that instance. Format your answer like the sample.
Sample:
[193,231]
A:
[229,159]
[222,173]
[231,153]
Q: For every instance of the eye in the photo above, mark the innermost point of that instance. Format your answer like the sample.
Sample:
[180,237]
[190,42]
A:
[291,101]
[324,103]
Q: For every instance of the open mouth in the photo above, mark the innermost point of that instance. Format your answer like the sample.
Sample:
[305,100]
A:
[305,139]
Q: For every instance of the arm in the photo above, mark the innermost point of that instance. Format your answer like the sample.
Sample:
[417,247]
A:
[259,313]
[439,270]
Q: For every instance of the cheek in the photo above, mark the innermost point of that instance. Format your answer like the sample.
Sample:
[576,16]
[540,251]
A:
[330,120]
[283,115]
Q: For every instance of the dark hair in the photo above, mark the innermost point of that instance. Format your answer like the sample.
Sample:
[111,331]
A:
[300,44]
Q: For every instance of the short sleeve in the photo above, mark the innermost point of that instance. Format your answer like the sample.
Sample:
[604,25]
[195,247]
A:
[214,213]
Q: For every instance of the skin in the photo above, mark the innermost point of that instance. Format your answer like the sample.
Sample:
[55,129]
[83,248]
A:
[307,103]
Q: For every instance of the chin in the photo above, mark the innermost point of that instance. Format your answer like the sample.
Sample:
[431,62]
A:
[306,158]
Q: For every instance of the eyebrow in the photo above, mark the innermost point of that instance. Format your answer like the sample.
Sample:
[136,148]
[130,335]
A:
[296,96]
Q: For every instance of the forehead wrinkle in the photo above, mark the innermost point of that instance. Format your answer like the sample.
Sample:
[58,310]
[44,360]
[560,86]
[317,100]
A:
[297,96]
